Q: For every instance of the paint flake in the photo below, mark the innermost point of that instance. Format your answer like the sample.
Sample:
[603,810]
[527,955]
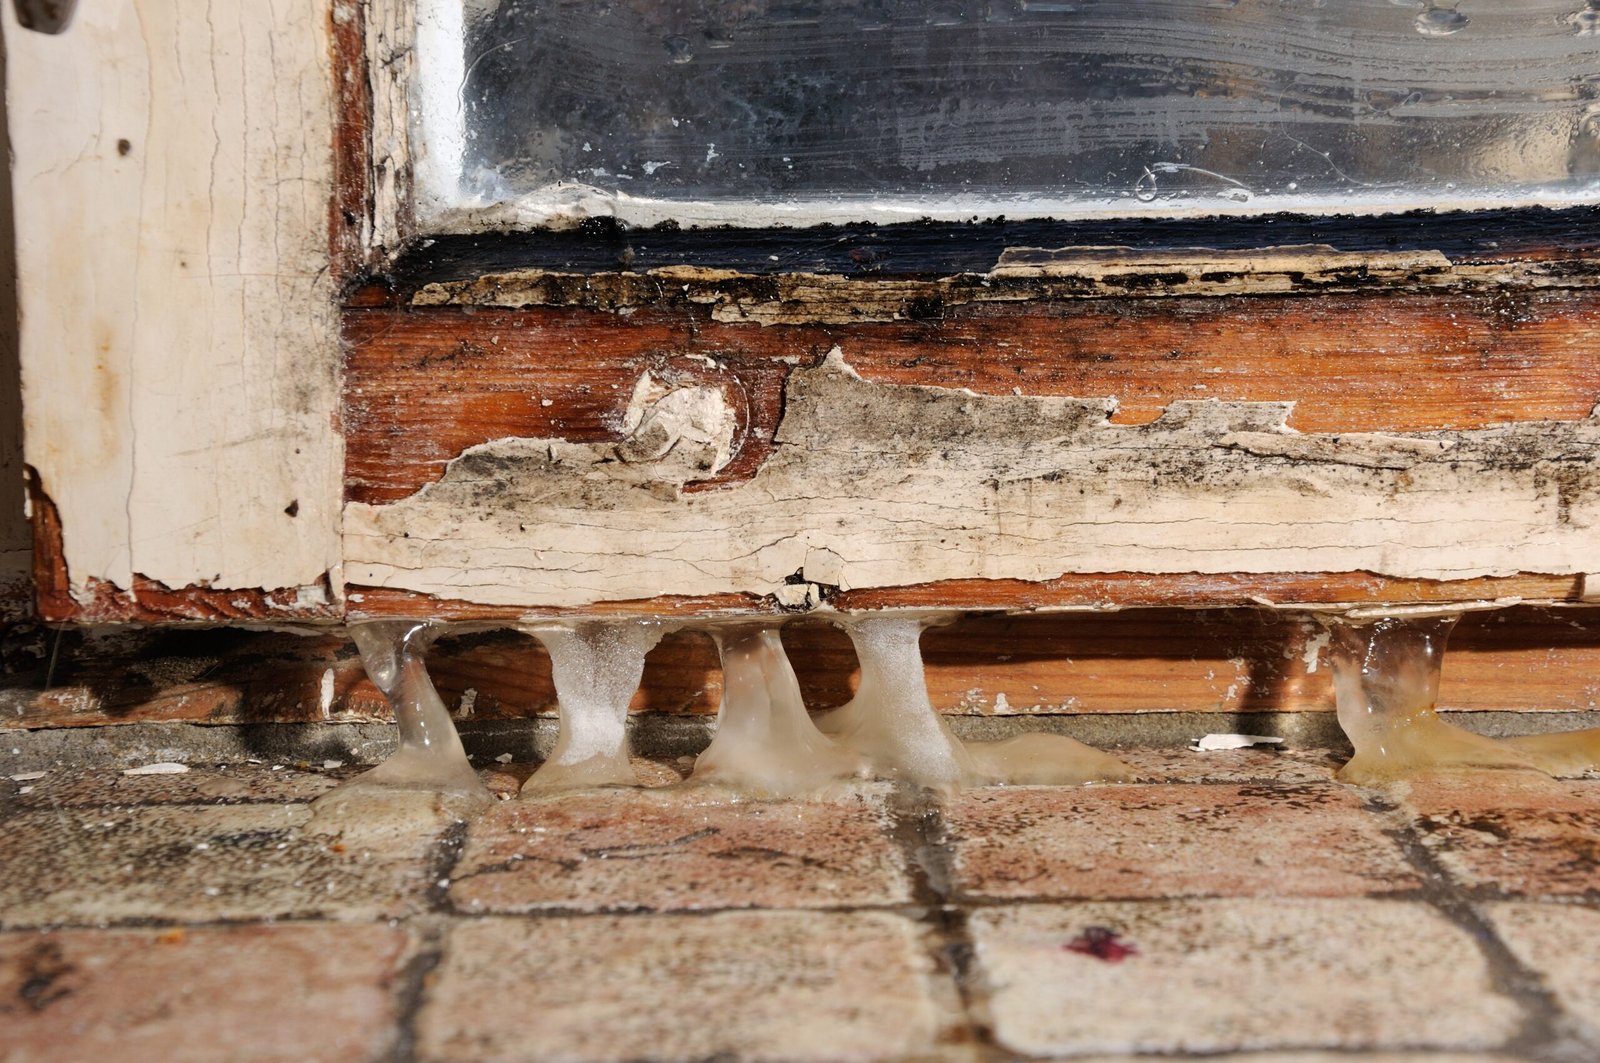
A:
[1213,742]
[160,768]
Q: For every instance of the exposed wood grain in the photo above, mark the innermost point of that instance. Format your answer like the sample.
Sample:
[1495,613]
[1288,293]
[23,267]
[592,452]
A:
[1331,591]
[350,208]
[882,485]
[1138,589]
[372,603]
[422,386]
[391,57]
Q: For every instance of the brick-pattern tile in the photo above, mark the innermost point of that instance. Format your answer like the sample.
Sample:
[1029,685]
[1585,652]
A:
[737,985]
[1561,942]
[259,783]
[1234,975]
[1522,834]
[674,850]
[1332,1057]
[186,864]
[248,993]
[1257,764]
[1171,840]
[250,783]
[506,778]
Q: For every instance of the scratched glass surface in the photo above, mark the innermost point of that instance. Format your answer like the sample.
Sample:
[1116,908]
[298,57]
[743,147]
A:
[1136,106]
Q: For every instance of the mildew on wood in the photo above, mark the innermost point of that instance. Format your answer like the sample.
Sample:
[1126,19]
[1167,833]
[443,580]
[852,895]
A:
[876,485]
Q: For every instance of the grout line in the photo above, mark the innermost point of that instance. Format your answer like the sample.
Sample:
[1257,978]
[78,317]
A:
[432,931]
[447,850]
[917,822]
[1546,1032]
[916,911]
[412,985]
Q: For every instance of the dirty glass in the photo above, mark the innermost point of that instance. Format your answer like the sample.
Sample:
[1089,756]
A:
[1027,106]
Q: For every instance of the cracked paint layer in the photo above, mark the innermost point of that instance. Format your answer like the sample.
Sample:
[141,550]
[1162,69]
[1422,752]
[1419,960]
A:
[885,485]
[173,168]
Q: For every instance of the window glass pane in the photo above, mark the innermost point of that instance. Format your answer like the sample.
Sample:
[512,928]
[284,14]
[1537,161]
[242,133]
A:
[876,109]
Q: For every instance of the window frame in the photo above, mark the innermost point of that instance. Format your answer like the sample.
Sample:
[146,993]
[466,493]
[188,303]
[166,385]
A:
[376,262]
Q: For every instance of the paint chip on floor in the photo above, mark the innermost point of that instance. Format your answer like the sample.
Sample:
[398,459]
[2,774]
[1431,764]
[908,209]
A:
[161,768]
[1213,742]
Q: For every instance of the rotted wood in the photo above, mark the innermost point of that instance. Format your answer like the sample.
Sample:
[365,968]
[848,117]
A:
[422,386]
[1339,377]
[1140,661]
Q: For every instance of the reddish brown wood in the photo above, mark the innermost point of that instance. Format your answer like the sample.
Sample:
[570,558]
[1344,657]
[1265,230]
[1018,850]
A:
[1141,661]
[1072,591]
[52,591]
[1133,589]
[423,385]
[367,603]
[350,207]
[1150,660]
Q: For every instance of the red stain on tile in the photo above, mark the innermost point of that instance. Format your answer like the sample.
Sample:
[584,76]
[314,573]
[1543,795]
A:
[1102,943]
[1171,840]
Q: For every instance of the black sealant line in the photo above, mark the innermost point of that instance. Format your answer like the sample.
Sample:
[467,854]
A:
[601,245]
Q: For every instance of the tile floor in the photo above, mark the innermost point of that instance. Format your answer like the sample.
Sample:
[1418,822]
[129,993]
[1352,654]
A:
[1235,905]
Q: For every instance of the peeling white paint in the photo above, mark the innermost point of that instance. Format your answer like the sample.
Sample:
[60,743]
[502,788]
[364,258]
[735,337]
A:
[688,426]
[172,168]
[391,61]
[879,485]
[162,768]
[1315,646]
[798,596]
